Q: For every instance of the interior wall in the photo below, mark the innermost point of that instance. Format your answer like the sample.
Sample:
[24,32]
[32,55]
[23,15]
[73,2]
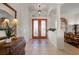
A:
[71,13]
[30,26]
[23,16]
[25,21]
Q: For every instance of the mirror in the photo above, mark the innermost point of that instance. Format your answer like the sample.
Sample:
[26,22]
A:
[7,12]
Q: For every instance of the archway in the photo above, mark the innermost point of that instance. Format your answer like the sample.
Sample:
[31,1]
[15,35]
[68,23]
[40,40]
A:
[64,24]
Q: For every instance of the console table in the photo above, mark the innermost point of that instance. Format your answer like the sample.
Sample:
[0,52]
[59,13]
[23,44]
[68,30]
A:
[16,47]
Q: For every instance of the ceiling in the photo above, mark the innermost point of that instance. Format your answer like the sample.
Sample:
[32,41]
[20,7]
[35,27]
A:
[44,7]
[69,7]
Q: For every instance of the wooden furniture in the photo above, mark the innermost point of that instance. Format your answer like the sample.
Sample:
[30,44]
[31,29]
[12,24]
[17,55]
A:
[75,28]
[16,47]
[71,38]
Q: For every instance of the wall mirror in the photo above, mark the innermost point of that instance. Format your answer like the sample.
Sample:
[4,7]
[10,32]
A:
[7,12]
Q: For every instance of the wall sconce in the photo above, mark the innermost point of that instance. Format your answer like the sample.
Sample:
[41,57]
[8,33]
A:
[14,21]
[6,22]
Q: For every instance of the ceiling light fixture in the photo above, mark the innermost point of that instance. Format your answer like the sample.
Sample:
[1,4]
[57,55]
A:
[39,11]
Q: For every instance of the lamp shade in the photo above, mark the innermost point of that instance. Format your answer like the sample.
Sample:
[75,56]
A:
[14,21]
[6,21]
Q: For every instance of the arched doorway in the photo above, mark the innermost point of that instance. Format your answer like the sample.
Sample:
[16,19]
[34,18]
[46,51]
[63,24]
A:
[64,24]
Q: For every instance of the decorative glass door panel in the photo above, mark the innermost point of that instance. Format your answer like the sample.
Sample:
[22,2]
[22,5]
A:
[35,28]
[39,28]
[43,28]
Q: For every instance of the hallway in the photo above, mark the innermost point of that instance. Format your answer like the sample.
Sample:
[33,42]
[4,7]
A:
[44,47]
[39,47]
[42,26]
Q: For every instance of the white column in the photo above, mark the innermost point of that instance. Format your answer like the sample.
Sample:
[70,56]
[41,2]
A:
[58,17]
[60,33]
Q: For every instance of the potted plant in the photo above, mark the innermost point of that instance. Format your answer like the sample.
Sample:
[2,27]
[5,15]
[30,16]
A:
[51,29]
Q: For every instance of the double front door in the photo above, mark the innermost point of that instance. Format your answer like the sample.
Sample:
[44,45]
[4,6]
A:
[39,28]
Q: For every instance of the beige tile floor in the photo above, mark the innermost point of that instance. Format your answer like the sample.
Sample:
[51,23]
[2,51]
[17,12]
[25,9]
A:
[44,47]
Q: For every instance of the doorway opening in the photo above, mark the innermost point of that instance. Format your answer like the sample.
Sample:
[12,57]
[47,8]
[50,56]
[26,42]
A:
[39,28]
